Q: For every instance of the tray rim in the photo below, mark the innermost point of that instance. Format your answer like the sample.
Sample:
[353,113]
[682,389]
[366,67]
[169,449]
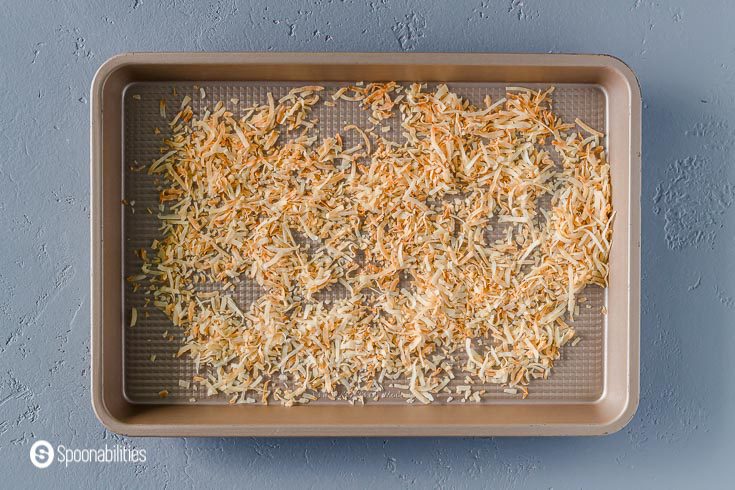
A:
[134,425]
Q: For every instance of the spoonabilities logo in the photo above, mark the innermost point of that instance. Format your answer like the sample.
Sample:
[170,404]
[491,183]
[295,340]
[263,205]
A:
[42,454]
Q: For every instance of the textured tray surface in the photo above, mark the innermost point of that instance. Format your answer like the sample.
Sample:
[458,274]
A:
[577,376]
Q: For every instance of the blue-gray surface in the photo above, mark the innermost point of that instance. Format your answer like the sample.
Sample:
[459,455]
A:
[684,56]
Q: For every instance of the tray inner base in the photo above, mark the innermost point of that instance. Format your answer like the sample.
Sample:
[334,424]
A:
[577,377]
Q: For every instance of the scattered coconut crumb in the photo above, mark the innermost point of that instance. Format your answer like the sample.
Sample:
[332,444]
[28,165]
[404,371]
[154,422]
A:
[398,226]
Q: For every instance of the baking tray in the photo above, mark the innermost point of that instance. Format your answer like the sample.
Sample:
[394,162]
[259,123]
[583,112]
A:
[593,388]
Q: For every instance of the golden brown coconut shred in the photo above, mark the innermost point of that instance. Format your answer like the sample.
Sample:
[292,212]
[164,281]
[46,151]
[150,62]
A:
[401,228]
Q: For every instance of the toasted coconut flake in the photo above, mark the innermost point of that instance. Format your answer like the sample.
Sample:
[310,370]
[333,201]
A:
[399,226]
[588,129]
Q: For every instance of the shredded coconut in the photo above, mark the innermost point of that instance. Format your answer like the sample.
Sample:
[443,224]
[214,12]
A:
[399,226]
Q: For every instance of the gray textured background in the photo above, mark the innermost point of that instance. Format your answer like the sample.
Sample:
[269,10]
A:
[684,55]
